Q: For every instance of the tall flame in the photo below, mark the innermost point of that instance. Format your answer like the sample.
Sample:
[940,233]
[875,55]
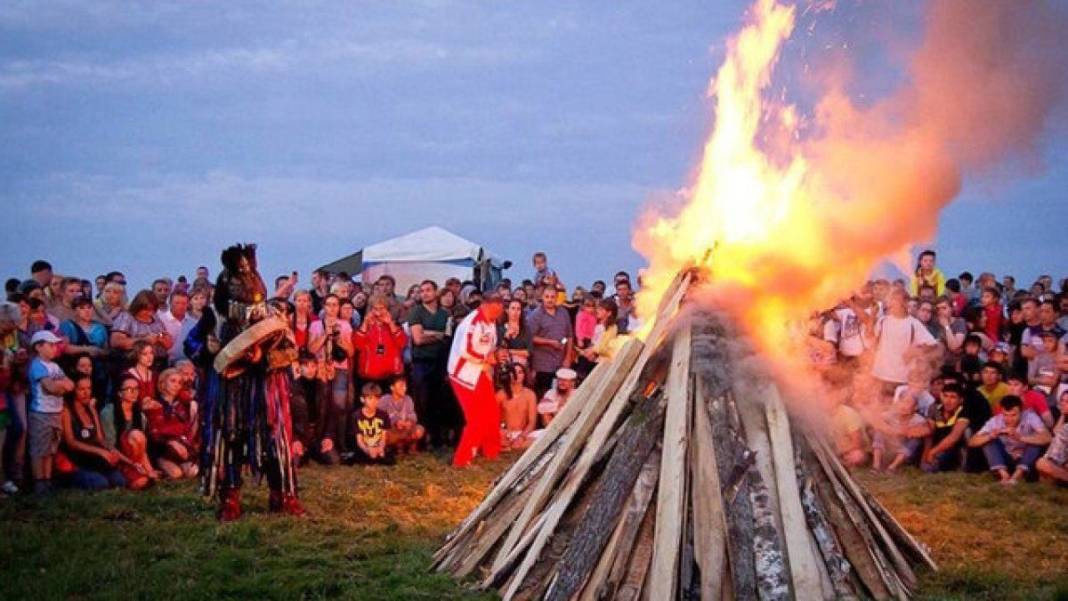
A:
[786,224]
[748,210]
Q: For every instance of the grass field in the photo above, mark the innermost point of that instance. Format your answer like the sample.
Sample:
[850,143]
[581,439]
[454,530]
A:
[372,531]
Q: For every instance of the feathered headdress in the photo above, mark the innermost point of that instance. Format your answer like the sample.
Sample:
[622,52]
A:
[231,257]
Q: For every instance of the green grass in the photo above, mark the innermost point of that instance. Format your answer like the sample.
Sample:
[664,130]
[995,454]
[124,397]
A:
[370,535]
[372,531]
[990,542]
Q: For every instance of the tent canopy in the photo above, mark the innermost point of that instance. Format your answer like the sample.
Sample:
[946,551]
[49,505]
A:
[429,244]
[430,253]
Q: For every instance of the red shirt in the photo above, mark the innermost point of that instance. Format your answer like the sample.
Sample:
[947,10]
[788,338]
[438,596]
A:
[380,353]
[993,321]
[169,422]
[959,303]
[1033,400]
[147,387]
[300,335]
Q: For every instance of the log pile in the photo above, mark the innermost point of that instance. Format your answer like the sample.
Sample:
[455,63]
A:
[663,478]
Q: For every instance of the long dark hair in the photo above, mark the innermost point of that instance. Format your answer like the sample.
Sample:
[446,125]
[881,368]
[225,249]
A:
[612,308]
[508,376]
[503,320]
[919,259]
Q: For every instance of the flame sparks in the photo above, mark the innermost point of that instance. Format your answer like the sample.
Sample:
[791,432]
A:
[796,219]
[751,211]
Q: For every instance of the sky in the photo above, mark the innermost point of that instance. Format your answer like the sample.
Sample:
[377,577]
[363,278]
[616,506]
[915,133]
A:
[145,137]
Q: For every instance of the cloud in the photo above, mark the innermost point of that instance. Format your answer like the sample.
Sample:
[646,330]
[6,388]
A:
[288,56]
[303,222]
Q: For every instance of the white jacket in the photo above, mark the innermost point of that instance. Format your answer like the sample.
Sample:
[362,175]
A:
[473,344]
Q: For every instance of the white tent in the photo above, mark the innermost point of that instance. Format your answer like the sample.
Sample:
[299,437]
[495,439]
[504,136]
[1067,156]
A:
[432,253]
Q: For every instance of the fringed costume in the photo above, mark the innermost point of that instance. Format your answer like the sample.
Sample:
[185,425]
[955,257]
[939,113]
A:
[245,419]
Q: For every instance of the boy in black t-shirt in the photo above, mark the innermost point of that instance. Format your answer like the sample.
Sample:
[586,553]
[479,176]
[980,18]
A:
[372,427]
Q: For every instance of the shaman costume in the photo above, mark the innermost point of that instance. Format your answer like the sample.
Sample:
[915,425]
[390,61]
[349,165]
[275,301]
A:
[245,421]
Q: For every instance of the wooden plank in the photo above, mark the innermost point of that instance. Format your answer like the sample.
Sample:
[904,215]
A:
[597,439]
[534,453]
[616,485]
[773,575]
[517,552]
[901,565]
[603,579]
[714,368]
[470,548]
[856,538]
[671,492]
[481,541]
[804,568]
[638,562]
[839,570]
[547,484]
[709,524]
[904,538]
[549,563]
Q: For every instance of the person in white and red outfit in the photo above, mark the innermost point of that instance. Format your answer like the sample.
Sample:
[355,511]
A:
[470,367]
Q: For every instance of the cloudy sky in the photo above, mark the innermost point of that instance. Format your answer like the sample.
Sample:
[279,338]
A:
[146,136]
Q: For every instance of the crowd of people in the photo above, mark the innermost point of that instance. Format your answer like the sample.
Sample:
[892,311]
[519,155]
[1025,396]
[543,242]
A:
[949,374]
[101,390]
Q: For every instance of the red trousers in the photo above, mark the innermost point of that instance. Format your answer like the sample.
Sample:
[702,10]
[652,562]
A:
[483,417]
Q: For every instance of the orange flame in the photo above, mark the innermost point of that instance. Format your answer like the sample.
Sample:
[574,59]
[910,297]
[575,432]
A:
[750,211]
[795,224]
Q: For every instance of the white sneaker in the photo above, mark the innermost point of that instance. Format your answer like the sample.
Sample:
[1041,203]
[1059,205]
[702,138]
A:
[9,488]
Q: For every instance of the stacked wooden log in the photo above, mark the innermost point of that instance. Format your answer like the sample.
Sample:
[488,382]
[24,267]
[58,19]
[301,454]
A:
[664,478]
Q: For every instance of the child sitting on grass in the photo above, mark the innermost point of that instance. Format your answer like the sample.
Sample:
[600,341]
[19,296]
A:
[917,387]
[519,411]
[1054,465]
[405,431]
[899,434]
[171,429]
[372,429]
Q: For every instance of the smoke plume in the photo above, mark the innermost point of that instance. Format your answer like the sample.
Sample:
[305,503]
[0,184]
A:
[797,225]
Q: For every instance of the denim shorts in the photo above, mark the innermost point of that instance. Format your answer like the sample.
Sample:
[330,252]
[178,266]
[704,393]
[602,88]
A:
[46,429]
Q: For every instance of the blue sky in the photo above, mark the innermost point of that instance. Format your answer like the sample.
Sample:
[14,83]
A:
[145,137]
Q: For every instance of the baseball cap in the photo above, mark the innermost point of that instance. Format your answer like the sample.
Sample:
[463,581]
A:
[44,336]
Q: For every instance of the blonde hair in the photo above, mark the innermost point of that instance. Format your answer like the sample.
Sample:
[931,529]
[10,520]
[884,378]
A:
[168,373]
[338,287]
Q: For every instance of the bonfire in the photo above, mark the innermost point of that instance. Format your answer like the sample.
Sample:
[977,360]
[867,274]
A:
[670,474]
[667,477]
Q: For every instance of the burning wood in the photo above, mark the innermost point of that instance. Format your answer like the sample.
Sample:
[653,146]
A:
[665,480]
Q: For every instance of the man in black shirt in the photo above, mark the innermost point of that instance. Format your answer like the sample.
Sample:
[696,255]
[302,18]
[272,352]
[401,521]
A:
[976,409]
[428,323]
[949,424]
[320,288]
